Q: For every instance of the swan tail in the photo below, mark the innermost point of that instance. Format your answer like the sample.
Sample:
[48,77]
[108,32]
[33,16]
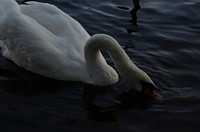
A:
[9,12]
[26,1]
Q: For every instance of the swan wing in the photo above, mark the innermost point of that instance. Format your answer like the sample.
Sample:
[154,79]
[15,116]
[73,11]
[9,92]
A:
[33,46]
[55,20]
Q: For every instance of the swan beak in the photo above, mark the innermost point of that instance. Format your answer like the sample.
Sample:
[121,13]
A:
[153,94]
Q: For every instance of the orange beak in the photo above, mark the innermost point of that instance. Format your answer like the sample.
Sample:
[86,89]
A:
[152,93]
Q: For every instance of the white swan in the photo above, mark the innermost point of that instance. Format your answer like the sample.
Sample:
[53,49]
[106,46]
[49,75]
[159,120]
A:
[41,38]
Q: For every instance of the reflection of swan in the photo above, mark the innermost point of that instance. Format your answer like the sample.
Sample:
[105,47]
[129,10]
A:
[41,38]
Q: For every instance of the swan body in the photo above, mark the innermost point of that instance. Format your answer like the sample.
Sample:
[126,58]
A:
[43,39]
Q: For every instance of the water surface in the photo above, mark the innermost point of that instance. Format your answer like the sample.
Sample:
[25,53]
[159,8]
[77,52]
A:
[162,38]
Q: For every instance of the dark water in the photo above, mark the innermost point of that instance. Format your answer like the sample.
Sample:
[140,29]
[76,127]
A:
[162,38]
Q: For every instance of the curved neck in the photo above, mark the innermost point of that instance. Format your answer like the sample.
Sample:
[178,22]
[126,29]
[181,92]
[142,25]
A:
[100,72]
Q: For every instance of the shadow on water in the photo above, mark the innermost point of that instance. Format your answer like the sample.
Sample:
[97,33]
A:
[32,86]
[103,102]
[133,13]
[16,80]
[132,26]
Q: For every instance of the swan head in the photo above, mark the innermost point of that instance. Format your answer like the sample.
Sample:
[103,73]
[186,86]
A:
[149,89]
[140,81]
[103,74]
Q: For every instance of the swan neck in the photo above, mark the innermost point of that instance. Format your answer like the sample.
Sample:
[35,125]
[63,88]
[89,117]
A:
[104,42]
[96,64]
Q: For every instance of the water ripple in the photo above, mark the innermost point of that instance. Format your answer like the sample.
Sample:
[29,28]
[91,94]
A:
[162,38]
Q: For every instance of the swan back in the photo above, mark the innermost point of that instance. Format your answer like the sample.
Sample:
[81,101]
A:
[55,20]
